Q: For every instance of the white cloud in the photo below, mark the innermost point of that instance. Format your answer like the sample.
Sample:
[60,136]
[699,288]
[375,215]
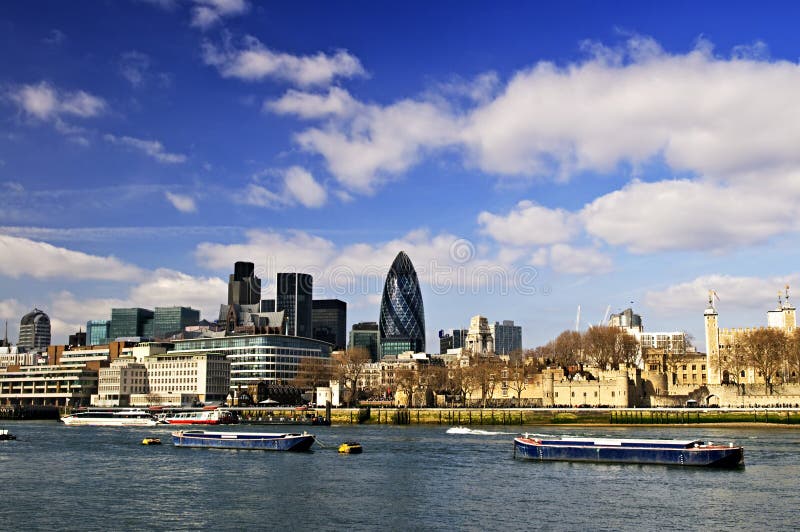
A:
[166,288]
[337,102]
[151,148]
[11,310]
[302,187]
[136,68]
[181,202]
[207,13]
[45,102]
[298,186]
[726,120]
[735,292]
[28,258]
[254,62]
[530,224]
[380,142]
[683,214]
[569,259]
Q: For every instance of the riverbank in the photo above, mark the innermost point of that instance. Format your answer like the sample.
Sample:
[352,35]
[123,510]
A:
[565,416]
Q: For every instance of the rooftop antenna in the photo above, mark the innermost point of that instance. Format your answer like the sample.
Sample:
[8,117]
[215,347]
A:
[787,295]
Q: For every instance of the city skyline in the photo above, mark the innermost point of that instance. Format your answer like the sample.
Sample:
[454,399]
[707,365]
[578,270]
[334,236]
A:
[529,159]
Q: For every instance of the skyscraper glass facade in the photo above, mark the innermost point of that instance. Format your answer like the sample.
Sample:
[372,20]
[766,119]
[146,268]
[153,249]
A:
[244,288]
[365,335]
[507,337]
[97,332]
[130,323]
[168,321]
[329,321]
[294,295]
[402,317]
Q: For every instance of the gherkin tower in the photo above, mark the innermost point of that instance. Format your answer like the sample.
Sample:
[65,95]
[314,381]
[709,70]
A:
[402,320]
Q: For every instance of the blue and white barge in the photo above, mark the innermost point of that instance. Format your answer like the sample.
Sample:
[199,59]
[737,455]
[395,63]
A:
[263,441]
[630,451]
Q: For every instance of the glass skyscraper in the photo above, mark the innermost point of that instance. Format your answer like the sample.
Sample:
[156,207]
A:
[365,335]
[402,318]
[97,332]
[294,295]
[329,321]
[244,288]
[131,323]
[171,320]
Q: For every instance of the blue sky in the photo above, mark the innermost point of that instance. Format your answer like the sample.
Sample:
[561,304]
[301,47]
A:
[529,158]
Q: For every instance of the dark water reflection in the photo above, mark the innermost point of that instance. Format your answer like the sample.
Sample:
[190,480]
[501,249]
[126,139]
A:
[409,478]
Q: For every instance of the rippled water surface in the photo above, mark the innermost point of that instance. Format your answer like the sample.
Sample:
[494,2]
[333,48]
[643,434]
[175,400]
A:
[409,478]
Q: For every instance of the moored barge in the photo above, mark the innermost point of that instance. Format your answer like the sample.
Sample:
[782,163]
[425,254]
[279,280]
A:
[630,451]
[264,441]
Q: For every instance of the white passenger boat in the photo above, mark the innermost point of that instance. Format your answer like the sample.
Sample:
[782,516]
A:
[111,418]
[207,416]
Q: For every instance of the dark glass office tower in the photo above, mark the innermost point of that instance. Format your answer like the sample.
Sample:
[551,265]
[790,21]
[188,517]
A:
[168,321]
[365,335]
[294,296]
[131,322]
[244,288]
[402,319]
[329,321]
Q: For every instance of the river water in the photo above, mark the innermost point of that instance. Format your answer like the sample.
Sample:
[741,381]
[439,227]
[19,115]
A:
[409,478]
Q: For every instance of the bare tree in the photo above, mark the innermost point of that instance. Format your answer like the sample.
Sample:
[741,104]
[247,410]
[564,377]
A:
[404,380]
[766,352]
[313,372]
[567,348]
[517,379]
[628,349]
[600,344]
[735,359]
[348,367]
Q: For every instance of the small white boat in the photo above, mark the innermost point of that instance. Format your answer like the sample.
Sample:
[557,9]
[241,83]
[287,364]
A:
[208,416]
[111,418]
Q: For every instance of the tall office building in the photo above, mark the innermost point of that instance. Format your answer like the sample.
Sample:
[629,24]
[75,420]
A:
[168,321]
[244,288]
[402,317]
[34,330]
[329,321]
[507,337]
[294,297]
[77,339]
[451,339]
[97,332]
[130,323]
[365,335]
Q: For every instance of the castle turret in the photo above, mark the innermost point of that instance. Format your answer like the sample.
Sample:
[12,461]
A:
[713,361]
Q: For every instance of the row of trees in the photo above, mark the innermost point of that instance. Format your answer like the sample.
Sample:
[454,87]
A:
[600,345]
[480,379]
[769,351]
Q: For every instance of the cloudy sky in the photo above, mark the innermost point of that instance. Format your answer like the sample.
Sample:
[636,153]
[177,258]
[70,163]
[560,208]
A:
[529,158]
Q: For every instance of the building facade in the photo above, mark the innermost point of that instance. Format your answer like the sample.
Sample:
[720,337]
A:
[480,340]
[168,321]
[329,322]
[507,337]
[402,314]
[98,332]
[244,288]
[270,358]
[131,323]
[451,339]
[116,383]
[294,297]
[365,335]
[34,331]
[179,377]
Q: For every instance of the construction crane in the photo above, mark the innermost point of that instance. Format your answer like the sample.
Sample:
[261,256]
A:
[578,320]
[605,316]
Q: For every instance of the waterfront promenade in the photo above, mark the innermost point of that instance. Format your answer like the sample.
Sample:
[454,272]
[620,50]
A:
[552,416]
